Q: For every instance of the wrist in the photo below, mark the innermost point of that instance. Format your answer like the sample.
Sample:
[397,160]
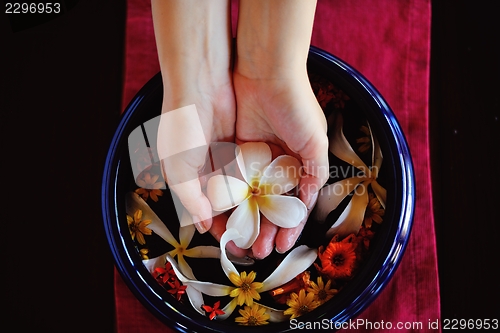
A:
[273,38]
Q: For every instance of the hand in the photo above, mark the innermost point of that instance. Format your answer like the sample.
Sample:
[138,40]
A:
[193,39]
[284,112]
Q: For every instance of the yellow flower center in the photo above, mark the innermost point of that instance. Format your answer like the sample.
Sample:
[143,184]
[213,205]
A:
[303,309]
[252,321]
[133,227]
[322,295]
[255,190]
[245,286]
[338,260]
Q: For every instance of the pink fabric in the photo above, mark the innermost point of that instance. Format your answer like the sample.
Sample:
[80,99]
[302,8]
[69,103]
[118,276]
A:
[388,42]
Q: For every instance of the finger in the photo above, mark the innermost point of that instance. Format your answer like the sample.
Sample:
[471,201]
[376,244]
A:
[264,243]
[218,228]
[195,202]
[287,237]
[309,187]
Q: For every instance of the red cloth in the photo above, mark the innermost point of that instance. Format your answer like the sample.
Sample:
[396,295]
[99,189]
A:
[389,43]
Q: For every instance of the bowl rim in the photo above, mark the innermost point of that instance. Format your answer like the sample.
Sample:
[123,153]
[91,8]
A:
[130,269]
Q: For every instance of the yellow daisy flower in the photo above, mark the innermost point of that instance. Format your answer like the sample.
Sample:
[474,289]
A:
[373,211]
[137,227]
[301,304]
[246,290]
[253,316]
[321,291]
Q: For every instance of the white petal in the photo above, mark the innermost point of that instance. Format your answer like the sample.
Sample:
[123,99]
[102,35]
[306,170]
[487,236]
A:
[352,217]
[282,175]
[284,211]
[246,219]
[186,233]
[330,196]
[225,192]
[203,252]
[340,147]
[185,268]
[227,265]
[297,261]
[134,202]
[196,299]
[212,289]
[228,309]
[153,263]
[380,192]
[186,219]
[253,158]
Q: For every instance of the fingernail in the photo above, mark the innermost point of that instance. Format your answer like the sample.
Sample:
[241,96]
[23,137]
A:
[200,226]
[287,247]
[311,203]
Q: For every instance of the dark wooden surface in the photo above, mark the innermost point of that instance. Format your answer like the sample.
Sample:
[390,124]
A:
[59,105]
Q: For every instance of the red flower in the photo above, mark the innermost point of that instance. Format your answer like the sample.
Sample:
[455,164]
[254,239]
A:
[165,274]
[338,260]
[214,311]
[177,289]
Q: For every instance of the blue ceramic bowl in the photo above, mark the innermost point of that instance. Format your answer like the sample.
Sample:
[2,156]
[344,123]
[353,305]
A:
[386,248]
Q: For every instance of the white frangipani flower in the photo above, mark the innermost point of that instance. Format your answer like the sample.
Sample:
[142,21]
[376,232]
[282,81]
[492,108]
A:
[332,195]
[261,191]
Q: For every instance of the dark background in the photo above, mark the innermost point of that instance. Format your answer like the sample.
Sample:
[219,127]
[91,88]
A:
[60,96]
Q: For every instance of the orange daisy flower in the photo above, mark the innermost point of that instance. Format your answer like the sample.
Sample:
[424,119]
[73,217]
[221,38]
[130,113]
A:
[149,187]
[338,260]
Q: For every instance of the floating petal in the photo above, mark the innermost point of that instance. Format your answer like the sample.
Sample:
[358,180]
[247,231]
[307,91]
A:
[380,192]
[186,233]
[332,195]
[352,217]
[284,211]
[203,252]
[185,268]
[297,261]
[196,299]
[225,192]
[228,309]
[227,236]
[153,263]
[340,147]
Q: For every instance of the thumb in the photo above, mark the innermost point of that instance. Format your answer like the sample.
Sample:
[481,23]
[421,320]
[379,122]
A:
[182,148]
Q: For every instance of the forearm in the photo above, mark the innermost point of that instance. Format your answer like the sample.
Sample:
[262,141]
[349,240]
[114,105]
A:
[273,37]
[194,45]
